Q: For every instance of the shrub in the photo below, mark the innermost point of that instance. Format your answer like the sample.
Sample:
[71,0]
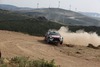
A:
[26,62]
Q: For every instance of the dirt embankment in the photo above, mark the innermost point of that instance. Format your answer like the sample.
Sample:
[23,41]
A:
[18,44]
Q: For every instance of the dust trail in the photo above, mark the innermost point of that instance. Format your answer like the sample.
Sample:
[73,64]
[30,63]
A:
[80,37]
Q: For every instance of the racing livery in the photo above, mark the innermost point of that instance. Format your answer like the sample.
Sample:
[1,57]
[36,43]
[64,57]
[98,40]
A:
[53,37]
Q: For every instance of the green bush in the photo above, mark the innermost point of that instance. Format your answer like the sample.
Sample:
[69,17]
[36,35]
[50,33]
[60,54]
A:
[32,27]
[26,62]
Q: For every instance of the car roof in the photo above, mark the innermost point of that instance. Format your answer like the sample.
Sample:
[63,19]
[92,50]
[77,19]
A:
[53,33]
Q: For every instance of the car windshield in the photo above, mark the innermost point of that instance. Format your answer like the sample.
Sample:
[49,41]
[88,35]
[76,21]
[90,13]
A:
[54,33]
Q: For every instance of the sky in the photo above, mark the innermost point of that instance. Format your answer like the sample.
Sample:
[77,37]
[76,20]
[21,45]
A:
[75,5]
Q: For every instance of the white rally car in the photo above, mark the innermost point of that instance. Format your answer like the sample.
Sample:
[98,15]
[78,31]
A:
[53,37]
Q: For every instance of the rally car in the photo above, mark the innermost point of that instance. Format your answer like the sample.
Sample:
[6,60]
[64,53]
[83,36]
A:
[53,37]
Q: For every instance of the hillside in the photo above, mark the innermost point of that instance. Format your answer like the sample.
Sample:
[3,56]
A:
[55,14]
[8,7]
[91,14]
[22,23]
[63,16]
[6,15]
[35,25]
[13,8]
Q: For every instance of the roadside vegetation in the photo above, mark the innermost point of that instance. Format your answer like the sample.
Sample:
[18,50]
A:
[26,62]
[21,23]
[29,26]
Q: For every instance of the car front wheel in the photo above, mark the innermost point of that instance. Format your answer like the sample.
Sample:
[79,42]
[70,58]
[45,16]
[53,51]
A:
[61,42]
[48,41]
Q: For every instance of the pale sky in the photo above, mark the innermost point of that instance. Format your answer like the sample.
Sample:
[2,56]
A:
[81,5]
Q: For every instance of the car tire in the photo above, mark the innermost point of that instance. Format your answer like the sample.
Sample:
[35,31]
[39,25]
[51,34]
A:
[48,41]
[61,42]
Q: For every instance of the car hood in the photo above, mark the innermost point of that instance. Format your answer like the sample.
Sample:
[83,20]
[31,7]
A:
[55,36]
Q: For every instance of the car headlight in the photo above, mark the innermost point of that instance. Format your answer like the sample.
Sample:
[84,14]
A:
[61,38]
[51,38]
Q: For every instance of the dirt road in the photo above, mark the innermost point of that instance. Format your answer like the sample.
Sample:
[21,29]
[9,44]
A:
[18,44]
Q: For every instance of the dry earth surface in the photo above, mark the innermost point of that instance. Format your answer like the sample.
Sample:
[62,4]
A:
[17,44]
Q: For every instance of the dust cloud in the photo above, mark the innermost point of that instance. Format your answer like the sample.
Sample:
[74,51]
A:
[79,37]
